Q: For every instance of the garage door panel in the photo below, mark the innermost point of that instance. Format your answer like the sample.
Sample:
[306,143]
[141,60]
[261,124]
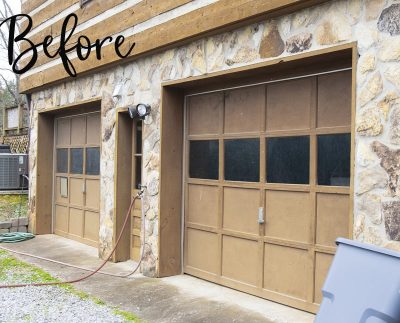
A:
[78,131]
[205,112]
[78,188]
[332,218]
[289,104]
[203,205]
[92,226]
[93,128]
[287,270]
[202,251]
[240,259]
[61,218]
[76,222]
[243,109]
[323,262]
[76,191]
[92,193]
[334,99]
[241,210]
[288,215]
[63,132]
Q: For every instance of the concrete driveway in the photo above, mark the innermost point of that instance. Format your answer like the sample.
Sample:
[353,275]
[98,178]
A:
[174,299]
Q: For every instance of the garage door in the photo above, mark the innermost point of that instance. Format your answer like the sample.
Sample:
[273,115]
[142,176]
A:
[76,179]
[267,185]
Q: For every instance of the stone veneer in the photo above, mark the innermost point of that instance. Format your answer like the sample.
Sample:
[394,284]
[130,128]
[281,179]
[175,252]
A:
[374,24]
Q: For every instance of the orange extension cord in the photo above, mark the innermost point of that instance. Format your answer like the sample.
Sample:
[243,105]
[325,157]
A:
[92,272]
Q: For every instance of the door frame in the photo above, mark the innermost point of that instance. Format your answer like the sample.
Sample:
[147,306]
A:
[40,207]
[260,188]
[171,199]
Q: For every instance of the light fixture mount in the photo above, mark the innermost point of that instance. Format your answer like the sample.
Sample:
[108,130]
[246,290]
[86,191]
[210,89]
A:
[139,111]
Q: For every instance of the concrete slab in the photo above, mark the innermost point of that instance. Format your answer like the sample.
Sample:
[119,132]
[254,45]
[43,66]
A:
[173,299]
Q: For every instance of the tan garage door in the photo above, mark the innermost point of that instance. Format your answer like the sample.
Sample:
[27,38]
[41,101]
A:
[277,153]
[76,180]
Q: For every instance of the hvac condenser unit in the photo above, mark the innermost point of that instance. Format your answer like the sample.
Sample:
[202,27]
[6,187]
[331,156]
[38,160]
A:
[13,171]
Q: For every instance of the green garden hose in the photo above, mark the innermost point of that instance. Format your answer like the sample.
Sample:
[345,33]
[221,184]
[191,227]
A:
[13,237]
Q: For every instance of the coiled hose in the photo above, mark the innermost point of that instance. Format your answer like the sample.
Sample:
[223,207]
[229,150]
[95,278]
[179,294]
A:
[92,272]
[12,237]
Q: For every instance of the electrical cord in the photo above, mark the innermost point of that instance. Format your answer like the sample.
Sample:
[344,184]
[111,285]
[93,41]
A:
[92,272]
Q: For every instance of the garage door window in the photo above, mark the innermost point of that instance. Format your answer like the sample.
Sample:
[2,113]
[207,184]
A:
[62,160]
[93,161]
[203,157]
[242,160]
[288,160]
[76,161]
[334,160]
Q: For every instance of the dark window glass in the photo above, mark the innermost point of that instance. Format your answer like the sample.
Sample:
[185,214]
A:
[138,172]
[288,160]
[76,166]
[139,137]
[62,160]
[242,160]
[93,161]
[203,159]
[334,160]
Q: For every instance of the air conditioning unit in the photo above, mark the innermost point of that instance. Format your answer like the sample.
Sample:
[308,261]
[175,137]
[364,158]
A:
[13,171]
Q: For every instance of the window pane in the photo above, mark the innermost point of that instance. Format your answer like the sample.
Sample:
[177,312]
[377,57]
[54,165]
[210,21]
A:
[203,159]
[138,172]
[93,161]
[76,161]
[288,160]
[12,118]
[139,137]
[242,160]
[334,160]
[62,160]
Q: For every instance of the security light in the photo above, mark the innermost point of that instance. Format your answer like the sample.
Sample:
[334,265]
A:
[140,111]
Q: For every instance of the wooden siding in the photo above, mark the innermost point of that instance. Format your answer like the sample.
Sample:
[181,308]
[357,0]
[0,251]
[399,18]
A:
[29,5]
[91,10]
[47,12]
[134,15]
[214,18]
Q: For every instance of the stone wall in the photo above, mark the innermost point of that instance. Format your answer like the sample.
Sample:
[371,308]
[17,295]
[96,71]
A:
[374,24]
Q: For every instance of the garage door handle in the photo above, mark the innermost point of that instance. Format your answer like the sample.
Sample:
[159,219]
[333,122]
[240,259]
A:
[260,215]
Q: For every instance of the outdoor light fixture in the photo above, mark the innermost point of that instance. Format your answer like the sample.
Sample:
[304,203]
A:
[140,111]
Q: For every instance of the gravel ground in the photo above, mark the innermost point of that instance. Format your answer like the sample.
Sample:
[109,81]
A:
[49,303]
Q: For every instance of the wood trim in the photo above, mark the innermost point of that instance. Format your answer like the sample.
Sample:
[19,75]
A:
[355,57]
[44,177]
[117,23]
[170,198]
[312,249]
[215,18]
[122,183]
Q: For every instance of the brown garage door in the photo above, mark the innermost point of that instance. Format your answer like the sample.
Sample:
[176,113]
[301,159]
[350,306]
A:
[267,185]
[76,180]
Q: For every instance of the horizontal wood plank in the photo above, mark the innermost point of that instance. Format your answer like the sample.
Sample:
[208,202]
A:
[217,17]
[137,14]
[48,12]
[89,11]
[30,5]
